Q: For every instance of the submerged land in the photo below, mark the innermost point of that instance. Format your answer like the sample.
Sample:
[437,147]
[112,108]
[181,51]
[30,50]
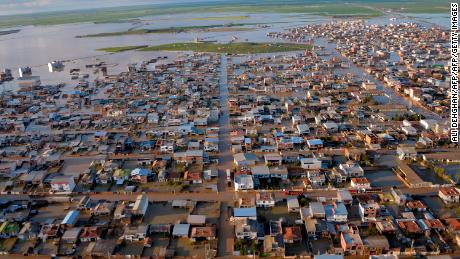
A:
[317,7]
[180,29]
[197,143]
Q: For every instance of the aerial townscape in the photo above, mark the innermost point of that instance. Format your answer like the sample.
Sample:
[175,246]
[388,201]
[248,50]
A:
[227,129]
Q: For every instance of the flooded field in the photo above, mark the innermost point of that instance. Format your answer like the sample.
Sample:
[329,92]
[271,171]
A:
[439,208]
[454,172]
[35,46]
[428,175]
[383,178]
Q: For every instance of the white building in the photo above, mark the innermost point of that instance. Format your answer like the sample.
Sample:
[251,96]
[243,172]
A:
[25,71]
[406,152]
[360,183]
[62,184]
[265,199]
[246,229]
[244,182]
[449,195]
[303,129]
[352,169]
[141,205]
[55,66]
[311,163]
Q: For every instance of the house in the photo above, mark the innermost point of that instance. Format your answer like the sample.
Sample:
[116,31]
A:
[246,229]
[449,195]
[140,205]
[409,130]
[399,196]
[29,231]
[428,124]
[167,147]
[243,182]
[360,184]
[92,233]
[303,129]
[293,205]
[406,152]
[351,169]
[102,248]
[375,245]
[70,219]
[260,171]
[244,159]
[386,226]
[274,245]
[193,177]
[196,220]
[279,172]
[203,233]
[453,225]
[344,196]
[409,226]
[265,199]
[246,202]
[190,156]
[49,231]
[103,208]
[369,211]
[328,256]
[244,213]
[310,163]
[181,230]
[135,233]
[62,184]
[317,210]
[336,212]
[121,211]
[331,127]
[273,159]
[292,234]
[211,145]
[416,205]
[71,235]
[140,175]
[315,143]
[121,175]
[351,243]
[210,174]
[315,178]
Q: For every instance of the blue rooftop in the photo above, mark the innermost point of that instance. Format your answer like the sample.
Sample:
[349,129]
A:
[245,212]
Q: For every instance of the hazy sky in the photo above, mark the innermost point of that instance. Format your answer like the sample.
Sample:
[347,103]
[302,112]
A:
[34,6]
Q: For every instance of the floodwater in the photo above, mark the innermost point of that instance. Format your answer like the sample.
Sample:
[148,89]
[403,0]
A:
[383,178]
[35,46]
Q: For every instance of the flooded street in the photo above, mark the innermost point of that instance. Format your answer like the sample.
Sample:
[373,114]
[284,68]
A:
[225,162]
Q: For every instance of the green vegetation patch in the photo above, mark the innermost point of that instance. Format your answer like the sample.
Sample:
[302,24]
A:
[9,32]
[219,27]
[233,48]
[122,49]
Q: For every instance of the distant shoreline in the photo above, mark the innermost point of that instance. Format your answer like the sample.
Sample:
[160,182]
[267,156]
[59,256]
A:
[322,8]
